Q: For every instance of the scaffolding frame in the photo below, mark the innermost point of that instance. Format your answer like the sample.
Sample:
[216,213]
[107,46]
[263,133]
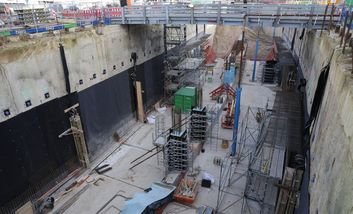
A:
[228,167]
[214,113]
[266,163]
[252,128]
[173,80]
[175,35]
[178,154]
[160,134]
[198,125]
[184,71]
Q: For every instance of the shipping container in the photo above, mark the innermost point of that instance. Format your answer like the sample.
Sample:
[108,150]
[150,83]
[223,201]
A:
[185,99]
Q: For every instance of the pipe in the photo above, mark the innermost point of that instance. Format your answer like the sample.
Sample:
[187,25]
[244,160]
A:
[149,151]
[255,58]
[165,38]
[293,40]
[241,56]
[145,159]
[65,68]
[236,122]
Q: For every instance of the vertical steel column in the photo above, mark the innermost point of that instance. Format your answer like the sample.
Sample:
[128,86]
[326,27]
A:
[236,122]
[185,34]
[167,14]
[331,17]
[241,56]
[123,15]
[310,23]
[144,15]
[192,16]
[219,12]
[347,36]
[255,57]
[323,22]
[273,32]
[344,26]
[197,31]
[165,38]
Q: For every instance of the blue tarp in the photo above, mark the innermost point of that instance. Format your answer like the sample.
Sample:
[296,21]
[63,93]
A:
[141,201]
[229,76]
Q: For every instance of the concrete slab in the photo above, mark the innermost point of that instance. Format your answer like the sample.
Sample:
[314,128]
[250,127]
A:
[123,180]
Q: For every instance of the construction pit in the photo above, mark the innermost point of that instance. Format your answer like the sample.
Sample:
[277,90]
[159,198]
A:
[176,119]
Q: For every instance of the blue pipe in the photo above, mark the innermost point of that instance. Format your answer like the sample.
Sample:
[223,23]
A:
[255,57]
[236,121]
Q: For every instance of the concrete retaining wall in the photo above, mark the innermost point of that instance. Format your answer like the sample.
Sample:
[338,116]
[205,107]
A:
[30,69]
[32,155]
[331,171]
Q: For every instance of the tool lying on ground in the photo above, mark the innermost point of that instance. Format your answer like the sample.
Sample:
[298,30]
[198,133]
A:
[102,169]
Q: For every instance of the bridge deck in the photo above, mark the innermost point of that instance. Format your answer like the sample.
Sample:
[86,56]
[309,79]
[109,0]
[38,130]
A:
[299,16]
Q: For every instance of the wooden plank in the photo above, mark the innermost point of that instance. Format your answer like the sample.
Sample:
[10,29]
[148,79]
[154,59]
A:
[72,107]
[27,208]
[140,111]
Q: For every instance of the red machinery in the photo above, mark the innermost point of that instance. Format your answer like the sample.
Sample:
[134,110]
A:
[224,88]
[273,54]
[228,118]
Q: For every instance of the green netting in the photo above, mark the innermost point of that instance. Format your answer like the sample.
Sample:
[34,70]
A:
[5,33]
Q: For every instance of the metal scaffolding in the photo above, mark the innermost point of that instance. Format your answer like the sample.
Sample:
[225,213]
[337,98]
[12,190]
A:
[159,137]
[259,160]
[176,146]
[175,35]
[187,71]
[265,169]
[173,80]
[178,152]
[214,112]
[198,125]
[230,172]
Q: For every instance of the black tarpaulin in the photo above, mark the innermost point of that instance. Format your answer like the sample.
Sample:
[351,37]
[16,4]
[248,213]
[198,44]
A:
[104,107]
[30,150]
[150,74]
[109,105]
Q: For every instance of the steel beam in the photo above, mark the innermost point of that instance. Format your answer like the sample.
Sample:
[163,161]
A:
[236,122]
[255,58]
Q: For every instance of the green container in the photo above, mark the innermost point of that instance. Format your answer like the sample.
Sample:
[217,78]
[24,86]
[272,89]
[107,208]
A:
[5,33]
[70,25]
[185,99]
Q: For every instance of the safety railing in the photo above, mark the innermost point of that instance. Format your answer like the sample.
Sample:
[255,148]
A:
[237,14]
[271,15]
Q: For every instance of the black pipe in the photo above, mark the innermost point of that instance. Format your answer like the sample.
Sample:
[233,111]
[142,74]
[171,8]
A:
[165,38]
[318,96]
[302,35]
[293,40]
[66,69]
